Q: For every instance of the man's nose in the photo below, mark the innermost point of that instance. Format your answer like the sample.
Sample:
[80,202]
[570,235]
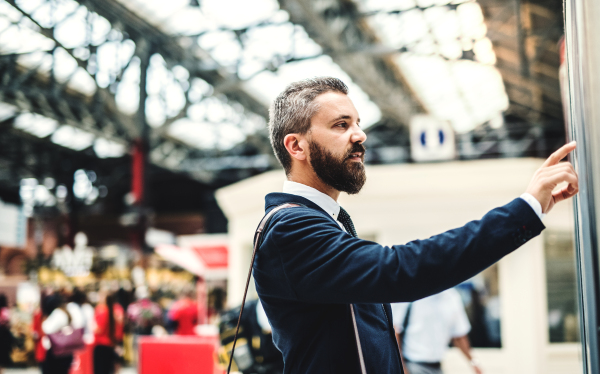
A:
[358,135]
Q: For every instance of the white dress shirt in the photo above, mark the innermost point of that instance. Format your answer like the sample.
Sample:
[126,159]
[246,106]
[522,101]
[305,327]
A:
[534,204]
[324,201]
[261,316]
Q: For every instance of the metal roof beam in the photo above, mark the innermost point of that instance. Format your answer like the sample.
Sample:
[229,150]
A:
[338,27]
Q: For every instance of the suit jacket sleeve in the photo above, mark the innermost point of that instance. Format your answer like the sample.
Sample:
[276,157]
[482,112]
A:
[323,264]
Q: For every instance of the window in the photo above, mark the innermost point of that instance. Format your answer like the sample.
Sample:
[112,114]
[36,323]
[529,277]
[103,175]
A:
[561,278]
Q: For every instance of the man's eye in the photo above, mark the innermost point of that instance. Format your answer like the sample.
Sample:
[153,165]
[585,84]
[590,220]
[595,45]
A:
[342,124]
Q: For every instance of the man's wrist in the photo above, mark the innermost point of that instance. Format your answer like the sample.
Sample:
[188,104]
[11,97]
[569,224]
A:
[533,203]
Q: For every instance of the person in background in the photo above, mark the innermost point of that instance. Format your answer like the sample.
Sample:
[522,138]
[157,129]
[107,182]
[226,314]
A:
[184,313]
[256,352]
[425,327]
[36,327]
[6,337]
[216,304]
[58,315]
[108,335]
[143,313]
[124,295]
[80,298]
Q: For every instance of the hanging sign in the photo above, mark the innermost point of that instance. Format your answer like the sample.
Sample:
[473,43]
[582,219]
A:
[431,139]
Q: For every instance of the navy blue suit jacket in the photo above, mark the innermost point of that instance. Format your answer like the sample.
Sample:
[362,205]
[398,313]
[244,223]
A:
[308,270]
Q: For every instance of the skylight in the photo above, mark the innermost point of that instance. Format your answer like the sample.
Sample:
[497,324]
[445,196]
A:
[259,56]
[268,85]
[65,135]
[105,148]
[71,137]
[36,124]
[20,35]
[7,111]
[445,57]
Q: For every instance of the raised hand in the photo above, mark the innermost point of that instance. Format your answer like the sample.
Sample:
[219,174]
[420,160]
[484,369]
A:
[551,174]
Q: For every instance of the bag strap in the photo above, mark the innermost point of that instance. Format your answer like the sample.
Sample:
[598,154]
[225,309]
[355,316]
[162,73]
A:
[259,230]
[361,359]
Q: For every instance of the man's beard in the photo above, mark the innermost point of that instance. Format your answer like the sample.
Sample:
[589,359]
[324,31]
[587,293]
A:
[338,172]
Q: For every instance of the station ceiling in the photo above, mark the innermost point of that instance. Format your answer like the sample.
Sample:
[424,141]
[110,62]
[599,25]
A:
[71,71]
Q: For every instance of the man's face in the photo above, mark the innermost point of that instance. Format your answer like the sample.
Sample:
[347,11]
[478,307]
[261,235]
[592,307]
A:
[335,143]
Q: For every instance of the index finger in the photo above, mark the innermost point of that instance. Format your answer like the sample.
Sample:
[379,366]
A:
[561,153]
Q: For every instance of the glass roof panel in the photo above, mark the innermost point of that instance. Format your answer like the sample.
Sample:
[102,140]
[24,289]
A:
[444,55]
[21,37]
[35,124]
[71,137]
[105,148]
[7,111]
[268,85]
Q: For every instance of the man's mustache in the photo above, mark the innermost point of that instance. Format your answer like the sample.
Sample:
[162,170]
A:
[356,147]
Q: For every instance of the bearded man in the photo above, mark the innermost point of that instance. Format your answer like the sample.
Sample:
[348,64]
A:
[325,291]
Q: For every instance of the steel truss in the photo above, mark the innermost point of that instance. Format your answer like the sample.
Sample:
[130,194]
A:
[31,89]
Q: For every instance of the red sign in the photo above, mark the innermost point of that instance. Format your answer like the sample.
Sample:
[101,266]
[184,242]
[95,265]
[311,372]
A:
[213,256]
[208,261]
[83,361]
[178,354]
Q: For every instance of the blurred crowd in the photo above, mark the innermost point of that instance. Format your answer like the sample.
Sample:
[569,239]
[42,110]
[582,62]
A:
[106,318]
[108,321]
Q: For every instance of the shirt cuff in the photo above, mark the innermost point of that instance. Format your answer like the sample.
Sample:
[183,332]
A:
[534,204]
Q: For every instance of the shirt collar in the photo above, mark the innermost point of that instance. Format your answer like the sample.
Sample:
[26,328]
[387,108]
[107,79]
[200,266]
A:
[324,201]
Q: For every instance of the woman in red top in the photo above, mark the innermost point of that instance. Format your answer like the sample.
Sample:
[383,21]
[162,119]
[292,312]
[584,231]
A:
[38,334]
[108,334]
[184,313]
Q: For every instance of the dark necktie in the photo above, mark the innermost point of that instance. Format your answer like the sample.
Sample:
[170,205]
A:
[345,219]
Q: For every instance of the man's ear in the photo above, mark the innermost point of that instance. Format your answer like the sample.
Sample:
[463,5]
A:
[295,146]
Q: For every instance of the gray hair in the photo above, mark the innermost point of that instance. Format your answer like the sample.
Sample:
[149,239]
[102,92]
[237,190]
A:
[293,109]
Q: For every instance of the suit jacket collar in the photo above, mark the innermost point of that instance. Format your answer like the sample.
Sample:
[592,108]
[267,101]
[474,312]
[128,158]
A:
[277,198]
[329,205]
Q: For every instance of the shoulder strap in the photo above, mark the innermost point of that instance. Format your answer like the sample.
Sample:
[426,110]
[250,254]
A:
[259,230]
